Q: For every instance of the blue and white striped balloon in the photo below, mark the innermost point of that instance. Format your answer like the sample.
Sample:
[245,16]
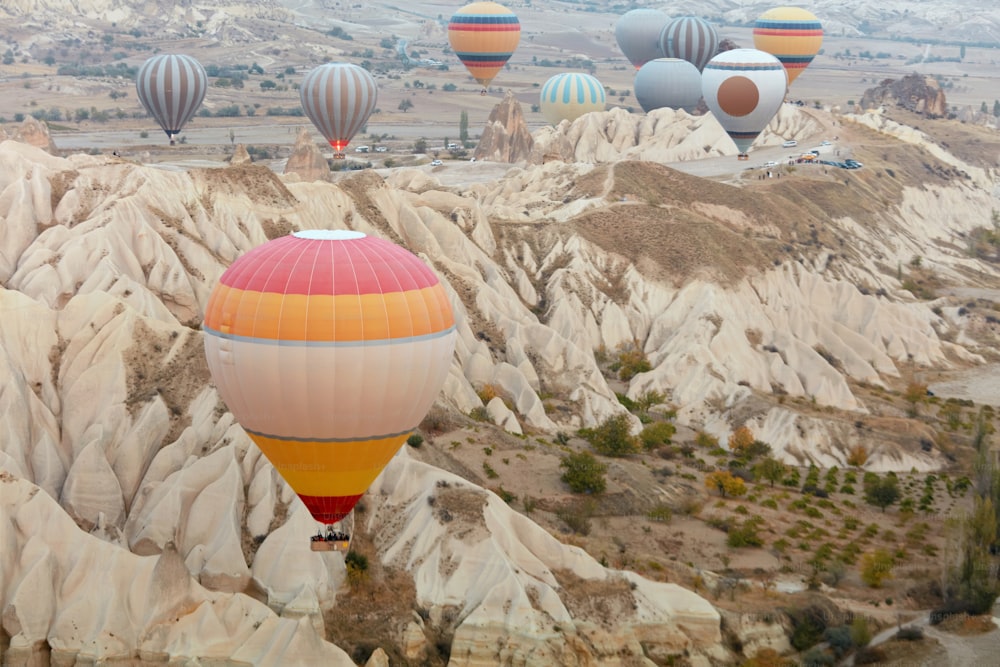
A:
[568,96]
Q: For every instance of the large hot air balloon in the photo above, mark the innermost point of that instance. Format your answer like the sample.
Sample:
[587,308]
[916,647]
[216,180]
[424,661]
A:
[338,98]
[668,82]
[689,38]
[568,96]
[171,87]
[744,88]
[638,33]
[792,34]
[484,35]
[329,347]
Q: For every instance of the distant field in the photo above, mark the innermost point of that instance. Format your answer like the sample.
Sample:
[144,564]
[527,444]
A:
[549,36]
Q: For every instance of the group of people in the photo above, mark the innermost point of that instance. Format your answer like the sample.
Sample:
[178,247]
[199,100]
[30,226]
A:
[331,536]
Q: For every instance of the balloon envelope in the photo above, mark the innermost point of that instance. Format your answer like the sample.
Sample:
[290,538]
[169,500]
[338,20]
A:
[744,88]
[792,34]
[689,38]
[638,33]
[171,87]
[338,98]
[484,36]
[570,95]
[329,347]
[668,82]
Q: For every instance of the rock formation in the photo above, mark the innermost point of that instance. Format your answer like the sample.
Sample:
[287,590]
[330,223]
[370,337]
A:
[506,137]
[662,135]
[306,161]
[240,156]
[106,407]
[32,132]
[914,92]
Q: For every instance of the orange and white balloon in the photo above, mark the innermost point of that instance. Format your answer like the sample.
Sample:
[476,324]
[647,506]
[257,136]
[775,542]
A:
[329,348]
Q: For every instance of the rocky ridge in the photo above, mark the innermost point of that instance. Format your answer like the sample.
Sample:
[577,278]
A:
[106,267]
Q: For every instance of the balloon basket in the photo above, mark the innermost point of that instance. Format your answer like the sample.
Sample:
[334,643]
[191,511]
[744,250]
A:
[742,156]
[330,545]
[339,156]
[334,538]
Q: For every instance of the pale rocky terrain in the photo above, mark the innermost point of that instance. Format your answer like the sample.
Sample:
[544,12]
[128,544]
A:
[106,265]
[138,521]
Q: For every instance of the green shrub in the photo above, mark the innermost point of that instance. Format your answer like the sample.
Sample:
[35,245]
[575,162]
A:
[415,440]
[583,473]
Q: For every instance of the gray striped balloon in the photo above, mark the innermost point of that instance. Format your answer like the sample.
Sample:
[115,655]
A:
[171,87]
[338,98]
[690,38]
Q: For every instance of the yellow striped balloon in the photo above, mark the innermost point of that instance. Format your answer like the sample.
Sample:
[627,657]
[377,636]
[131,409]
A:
[569,95]
[329,348]
[791,34]
[484,36]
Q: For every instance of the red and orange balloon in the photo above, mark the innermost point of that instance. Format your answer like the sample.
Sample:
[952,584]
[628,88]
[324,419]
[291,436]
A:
[329,347]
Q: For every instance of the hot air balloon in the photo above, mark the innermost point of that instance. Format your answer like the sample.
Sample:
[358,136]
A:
[638,33]
[329,347]
[171,87]
[792,34]
[689,38]
[338,98]
[568,96]
[744,88]
[484,35]
[668,82]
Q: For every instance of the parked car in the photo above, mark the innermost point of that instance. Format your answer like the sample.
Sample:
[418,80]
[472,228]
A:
[824,143]
[381,149]
[791,143]
[436,163]
[362,149]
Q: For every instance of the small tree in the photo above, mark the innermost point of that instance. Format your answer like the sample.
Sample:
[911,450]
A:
[915,394]
[725,483]
[740,440]
[857,456]
[770,469]
[612,438]
[882,492]
[405,105]
[463,127]
[583,473]
[876,567]
[657,434]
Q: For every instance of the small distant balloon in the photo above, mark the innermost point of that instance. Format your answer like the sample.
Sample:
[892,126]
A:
[338,98]
[744,89]
[171,87]
[689,38]
[568,96]
[792,34]
[668,83]
[484,35]
[638,33]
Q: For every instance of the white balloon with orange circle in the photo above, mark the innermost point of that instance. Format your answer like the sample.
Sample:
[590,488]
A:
[744,89]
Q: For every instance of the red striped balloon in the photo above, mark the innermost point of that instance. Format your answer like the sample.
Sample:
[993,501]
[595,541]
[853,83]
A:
[484,36]
[338,98]
[171,87]
[329,347]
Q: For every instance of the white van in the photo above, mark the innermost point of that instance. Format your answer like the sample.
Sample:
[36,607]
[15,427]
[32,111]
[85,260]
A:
[362,149]
[791,143]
